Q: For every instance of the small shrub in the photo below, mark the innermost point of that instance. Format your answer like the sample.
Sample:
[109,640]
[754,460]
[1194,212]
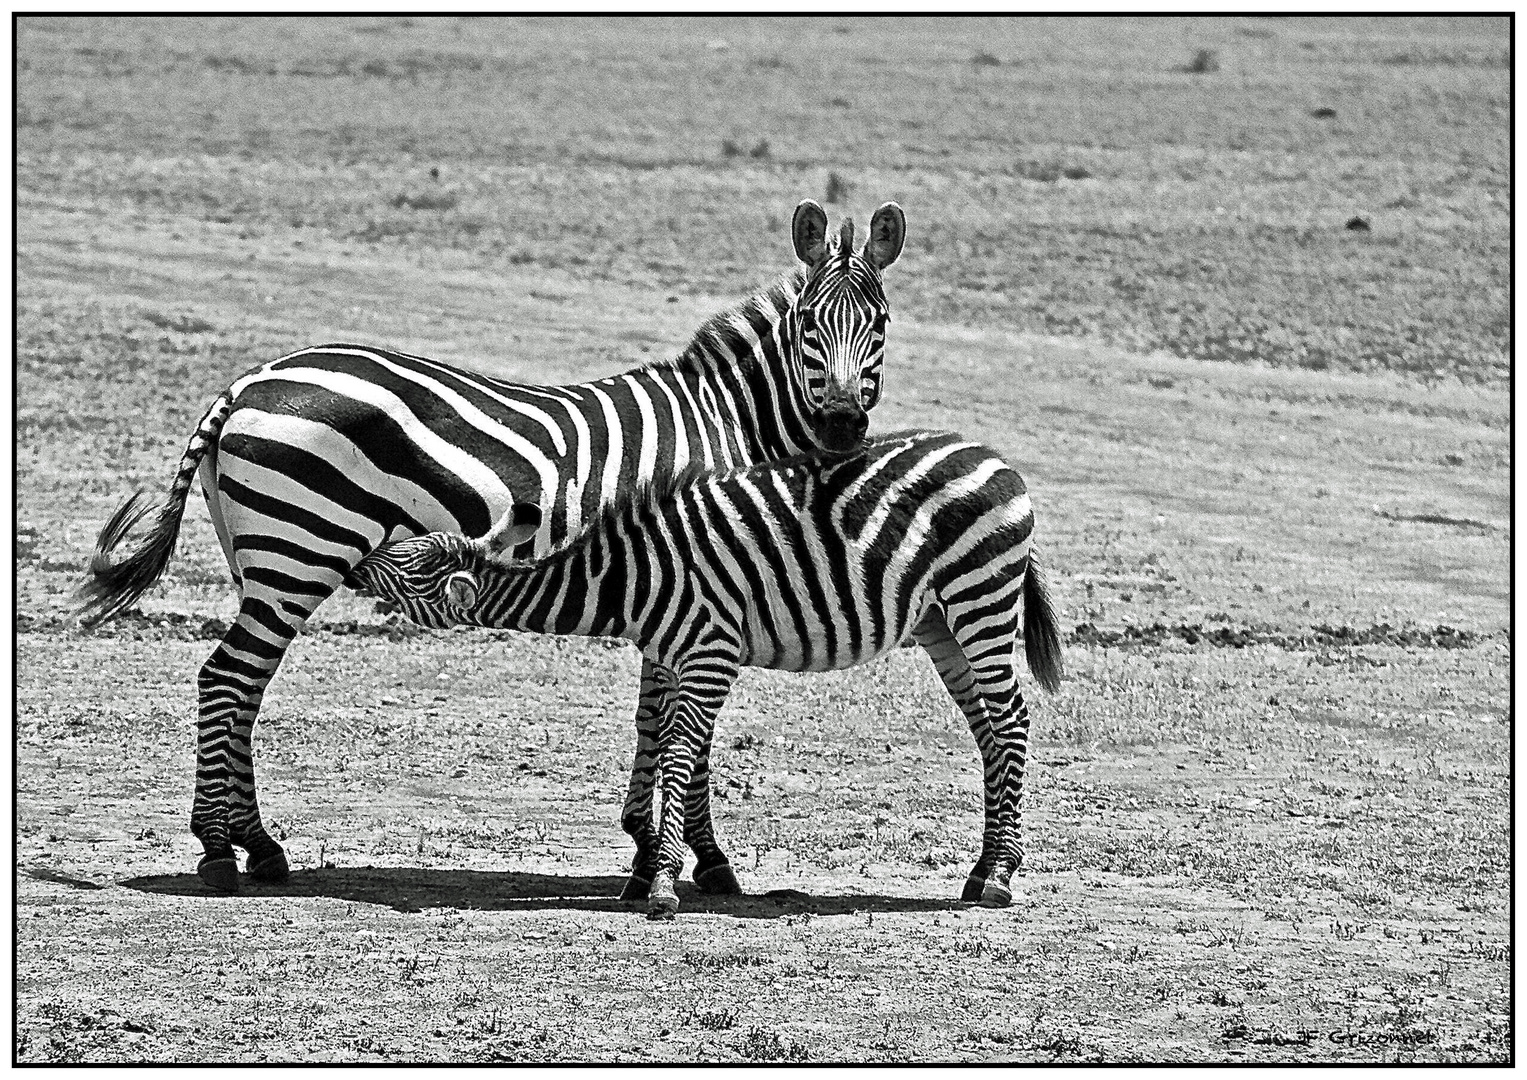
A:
[837,188]
[1048,174]
[712,1019]
[984,59]
[760,149]
[445,200]
[730,149]
[1204,62]
[181,324]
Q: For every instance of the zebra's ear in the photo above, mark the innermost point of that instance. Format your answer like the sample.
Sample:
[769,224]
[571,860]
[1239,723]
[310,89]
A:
[809,232]
[888,231]
[518,524]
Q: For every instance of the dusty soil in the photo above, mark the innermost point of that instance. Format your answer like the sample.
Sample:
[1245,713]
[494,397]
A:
[1268,815]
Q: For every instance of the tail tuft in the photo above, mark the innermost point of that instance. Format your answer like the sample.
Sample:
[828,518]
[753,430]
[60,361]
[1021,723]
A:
[1041,631]
[113,584]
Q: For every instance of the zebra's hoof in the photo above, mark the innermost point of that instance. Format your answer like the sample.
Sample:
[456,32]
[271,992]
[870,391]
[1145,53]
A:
[717,880]
[222,873]
[271,869]
[636,888]
[974,886]
[996,894]
[662,901]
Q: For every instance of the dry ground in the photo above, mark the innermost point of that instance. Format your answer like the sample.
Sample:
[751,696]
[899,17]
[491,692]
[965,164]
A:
[1268,812]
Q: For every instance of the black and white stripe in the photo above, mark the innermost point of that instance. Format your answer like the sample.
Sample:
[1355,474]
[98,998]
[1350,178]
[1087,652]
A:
[811,564]
[313,461]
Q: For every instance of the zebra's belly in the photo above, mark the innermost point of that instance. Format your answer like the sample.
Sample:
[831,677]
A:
[796,654]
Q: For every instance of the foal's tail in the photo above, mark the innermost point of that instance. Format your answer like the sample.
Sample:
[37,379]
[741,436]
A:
[1041,632]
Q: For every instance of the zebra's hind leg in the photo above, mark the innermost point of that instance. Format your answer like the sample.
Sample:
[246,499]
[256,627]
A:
[998,719]
[224,810]
[687,728]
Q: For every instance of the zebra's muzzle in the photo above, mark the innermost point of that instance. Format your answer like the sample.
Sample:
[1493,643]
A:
[840,428]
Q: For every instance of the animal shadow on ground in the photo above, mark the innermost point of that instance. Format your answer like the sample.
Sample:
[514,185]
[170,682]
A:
[410,889]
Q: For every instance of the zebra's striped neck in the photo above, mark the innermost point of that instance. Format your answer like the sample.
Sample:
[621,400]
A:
[745,359]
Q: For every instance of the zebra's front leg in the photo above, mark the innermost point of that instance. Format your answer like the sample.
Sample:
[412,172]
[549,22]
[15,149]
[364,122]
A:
[683,734]
[636,817]
[713,871]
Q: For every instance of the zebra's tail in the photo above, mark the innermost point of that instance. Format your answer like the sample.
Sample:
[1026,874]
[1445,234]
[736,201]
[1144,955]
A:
[1041,631]
[113,583]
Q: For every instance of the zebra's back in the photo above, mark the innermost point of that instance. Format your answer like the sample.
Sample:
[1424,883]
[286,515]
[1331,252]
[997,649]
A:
[385,444]
[829,564]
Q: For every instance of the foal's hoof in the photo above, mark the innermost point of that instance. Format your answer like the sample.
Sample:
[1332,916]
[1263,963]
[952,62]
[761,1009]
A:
[996,894]
[971,893]
[222,873]
[663,901]
[636,888]
[272,868]
[717,880]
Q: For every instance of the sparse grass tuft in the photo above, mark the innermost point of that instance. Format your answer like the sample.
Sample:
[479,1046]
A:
[702,961]
[763,1045]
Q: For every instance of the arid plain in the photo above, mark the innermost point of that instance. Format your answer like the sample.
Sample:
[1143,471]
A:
[1268,812]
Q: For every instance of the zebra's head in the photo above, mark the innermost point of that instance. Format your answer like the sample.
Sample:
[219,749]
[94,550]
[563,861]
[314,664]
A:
[437,578]
[838,319]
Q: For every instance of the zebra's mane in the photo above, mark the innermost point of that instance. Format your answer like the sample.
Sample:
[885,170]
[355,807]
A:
[719,341]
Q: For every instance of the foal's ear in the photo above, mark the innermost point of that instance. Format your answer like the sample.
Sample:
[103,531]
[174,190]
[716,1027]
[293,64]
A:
[809,232]
[888,231]
[518,524]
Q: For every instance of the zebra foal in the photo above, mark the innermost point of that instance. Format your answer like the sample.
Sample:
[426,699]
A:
[808,564]
[312,461]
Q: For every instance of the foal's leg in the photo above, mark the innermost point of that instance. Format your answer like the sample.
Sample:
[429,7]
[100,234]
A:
[713,872]
[636,818]
[976,667]
[704,680]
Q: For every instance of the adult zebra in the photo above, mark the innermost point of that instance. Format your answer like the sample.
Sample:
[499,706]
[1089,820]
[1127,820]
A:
[807,564]
[313,461]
